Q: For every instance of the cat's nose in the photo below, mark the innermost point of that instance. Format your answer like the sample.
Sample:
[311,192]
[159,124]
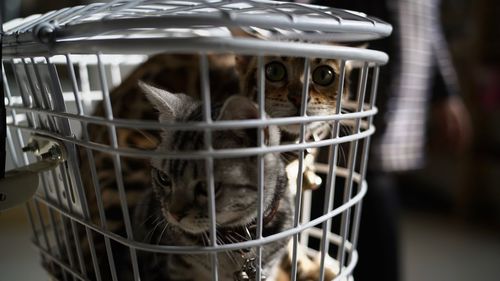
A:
[296,98]
[177,215]
[177,209]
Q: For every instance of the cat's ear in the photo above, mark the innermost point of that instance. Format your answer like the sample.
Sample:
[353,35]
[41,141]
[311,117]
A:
[168,105]
[238,107]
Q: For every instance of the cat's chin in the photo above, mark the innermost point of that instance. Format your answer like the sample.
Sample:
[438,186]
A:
[198,227]
[187,227]
[193,229]
[204,229]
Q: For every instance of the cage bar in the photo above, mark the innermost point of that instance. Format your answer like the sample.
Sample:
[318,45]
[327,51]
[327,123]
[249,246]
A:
[300,172]
[332,173]
[95,181]
[366,147]
[353,151]
[209,162]
[260,162]
[117,164]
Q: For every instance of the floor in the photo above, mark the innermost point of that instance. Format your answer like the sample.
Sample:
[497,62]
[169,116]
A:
[434,248]
[19,260]
[437,248]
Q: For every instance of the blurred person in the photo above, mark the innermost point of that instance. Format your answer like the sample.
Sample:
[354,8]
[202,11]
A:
[419,62]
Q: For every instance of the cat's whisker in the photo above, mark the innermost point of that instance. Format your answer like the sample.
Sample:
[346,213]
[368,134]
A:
[342,154]
[220,239]
[203,235]
[151,233]
[230,254]
[161,234]
[150,217]
[241,236]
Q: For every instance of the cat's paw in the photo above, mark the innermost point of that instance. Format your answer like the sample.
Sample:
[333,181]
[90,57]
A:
[311,180]
[308,269]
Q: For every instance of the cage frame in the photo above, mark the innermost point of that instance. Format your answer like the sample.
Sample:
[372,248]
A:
[36,46]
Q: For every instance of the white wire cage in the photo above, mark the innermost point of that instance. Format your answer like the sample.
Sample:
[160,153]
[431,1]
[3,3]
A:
[64,73]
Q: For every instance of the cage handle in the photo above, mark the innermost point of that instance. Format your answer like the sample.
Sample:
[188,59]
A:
[19,185]
[3,113]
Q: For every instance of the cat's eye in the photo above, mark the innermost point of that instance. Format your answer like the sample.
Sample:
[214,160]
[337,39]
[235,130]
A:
[275,71]
[323,75]
[162,178]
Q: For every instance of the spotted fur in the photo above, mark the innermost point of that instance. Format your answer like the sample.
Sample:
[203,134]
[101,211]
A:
[283,98]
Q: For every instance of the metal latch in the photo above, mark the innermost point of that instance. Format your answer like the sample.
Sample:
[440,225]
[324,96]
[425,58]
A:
[20,184]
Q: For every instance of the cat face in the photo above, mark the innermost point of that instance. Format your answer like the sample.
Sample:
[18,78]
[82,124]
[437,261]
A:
[284,85]
[180,185]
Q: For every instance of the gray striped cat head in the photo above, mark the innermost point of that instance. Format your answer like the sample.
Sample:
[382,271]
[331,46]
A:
[181,184]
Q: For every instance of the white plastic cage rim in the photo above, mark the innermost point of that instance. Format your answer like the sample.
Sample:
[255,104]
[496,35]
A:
[197,45]
[125,17]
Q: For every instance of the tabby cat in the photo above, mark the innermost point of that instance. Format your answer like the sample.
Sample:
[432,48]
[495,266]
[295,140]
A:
[284,80]
[180,187]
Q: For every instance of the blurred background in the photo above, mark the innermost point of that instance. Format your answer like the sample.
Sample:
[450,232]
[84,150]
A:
[449,222]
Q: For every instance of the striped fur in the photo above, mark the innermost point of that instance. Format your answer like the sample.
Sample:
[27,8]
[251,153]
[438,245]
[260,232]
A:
[178,73]
[183,200]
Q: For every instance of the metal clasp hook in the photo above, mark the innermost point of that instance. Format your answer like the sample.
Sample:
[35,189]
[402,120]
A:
[20,184]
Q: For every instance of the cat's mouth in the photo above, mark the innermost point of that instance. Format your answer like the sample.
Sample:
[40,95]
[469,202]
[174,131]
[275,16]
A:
[235,234]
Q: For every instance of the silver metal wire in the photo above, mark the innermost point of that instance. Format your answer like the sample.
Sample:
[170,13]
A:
[95,181]
[260,158]
[64,222]
[58,243]
[80,111]
[44,100]
[209,162]
[364,162]
[300,175]
[331,175]
[219,248]
[117,164]
[353,151]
